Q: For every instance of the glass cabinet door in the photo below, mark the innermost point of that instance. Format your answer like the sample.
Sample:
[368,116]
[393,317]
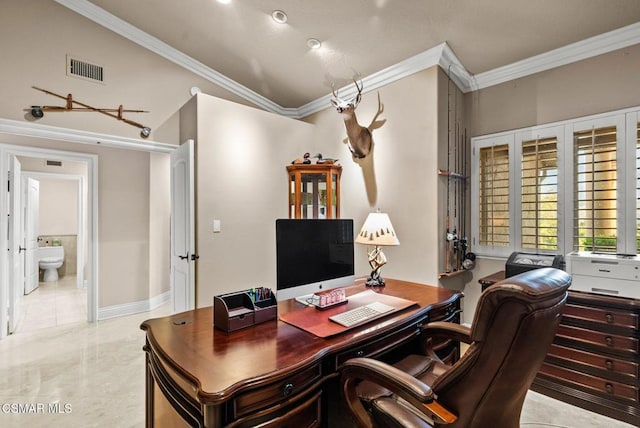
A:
[314,191]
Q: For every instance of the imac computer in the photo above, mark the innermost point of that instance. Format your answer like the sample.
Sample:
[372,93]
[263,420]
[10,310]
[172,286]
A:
[313,255]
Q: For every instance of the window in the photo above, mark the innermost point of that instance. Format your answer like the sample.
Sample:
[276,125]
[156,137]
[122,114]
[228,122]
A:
[539,194]
[494,195]
[557,188]
[595,190]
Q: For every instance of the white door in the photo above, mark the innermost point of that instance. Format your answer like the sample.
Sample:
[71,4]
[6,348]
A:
[16,260]
[31,231]
[182,245]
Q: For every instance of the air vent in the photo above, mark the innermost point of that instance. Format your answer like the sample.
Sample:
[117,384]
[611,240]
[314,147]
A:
[54,163]
[84,70]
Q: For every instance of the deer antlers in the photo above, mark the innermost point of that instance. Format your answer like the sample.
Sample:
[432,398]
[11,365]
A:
[359,137]
[342,105]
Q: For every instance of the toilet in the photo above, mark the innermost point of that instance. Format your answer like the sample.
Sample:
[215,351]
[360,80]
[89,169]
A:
[50,259]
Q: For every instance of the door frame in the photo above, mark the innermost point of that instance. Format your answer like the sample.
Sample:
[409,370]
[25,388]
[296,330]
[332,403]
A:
[92,222]
[15,239]
[80,238]
[10,127]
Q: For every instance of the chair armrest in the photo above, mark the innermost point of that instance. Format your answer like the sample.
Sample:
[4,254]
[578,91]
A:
[449,330]
[398,382]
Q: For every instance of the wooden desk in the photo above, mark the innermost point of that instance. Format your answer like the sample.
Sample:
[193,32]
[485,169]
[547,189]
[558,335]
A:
[271,374]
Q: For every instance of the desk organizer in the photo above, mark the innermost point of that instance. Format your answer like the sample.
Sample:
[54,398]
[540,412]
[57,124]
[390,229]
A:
[241,309]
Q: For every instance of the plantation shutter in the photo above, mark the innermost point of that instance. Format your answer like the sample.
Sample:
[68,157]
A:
[494,196]
[595,186]
[539,192]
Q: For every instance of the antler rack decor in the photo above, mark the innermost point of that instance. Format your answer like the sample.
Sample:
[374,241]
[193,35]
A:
[116,113]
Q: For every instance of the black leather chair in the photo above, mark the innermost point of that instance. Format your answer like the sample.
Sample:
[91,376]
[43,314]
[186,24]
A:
[513,327]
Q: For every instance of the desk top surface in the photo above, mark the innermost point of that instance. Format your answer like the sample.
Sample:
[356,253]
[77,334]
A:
[219,363]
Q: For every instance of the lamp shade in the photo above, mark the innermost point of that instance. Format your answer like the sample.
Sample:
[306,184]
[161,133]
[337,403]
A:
[377,230]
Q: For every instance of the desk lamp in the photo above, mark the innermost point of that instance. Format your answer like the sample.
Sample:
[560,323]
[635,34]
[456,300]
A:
[377,231]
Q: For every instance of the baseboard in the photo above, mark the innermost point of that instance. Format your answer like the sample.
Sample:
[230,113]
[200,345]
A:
[133,307]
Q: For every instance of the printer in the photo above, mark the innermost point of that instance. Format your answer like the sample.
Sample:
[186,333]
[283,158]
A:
[519,262]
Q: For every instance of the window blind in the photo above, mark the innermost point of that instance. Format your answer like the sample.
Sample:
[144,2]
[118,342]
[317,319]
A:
[595,176]
[539,194]
[494,195]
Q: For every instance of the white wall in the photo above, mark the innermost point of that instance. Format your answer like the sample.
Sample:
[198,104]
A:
[159,215]
[58,207]
[241,180]
[399,177]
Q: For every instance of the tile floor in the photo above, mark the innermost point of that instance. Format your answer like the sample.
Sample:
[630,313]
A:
[53,304]
[78,374]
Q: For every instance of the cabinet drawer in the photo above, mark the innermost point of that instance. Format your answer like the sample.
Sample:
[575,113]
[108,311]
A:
[600,339]
[602,316]
[602,386]
[275,392]
[606,269]
[597,361]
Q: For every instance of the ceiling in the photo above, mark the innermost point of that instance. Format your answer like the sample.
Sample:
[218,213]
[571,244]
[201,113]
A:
[240,41]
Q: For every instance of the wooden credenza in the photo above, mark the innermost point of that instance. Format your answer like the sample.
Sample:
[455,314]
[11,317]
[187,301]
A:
[274,374]
[594,362]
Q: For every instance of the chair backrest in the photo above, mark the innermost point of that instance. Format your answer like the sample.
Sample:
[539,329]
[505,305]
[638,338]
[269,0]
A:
[514,325]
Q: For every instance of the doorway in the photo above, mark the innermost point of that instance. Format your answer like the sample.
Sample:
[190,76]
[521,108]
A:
[56,215]
[88,257]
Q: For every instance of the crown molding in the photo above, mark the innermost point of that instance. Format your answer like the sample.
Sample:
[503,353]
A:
[404,68]
[587,48]
[441,55]
[29,129]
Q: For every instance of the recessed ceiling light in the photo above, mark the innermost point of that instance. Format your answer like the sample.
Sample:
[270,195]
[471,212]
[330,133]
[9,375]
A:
[224,1]
[314,43]
[279,16]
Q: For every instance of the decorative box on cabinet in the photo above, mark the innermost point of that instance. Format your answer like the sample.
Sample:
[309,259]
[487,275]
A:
[314,190]
[594,360]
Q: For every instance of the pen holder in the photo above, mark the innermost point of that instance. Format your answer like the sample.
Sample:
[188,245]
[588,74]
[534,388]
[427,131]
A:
[241,309]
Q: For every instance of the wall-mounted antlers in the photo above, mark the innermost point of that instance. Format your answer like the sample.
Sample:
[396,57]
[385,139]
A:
[360,142]
[359,136]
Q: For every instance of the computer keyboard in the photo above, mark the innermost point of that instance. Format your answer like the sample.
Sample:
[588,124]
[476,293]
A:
[361,314]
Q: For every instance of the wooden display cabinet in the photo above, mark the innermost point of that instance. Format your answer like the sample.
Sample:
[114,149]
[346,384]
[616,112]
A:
[314,190]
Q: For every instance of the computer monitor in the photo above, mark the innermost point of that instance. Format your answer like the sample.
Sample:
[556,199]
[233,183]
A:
[313,255]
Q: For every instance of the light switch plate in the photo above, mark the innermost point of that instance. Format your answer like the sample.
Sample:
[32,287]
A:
[216,226]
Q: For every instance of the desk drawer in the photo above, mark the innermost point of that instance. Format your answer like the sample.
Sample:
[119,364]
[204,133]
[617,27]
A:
[378,347]
[594,383]
[596,361]
[445,313]
[275,392]
[307,414]
[608,317]
[599,339]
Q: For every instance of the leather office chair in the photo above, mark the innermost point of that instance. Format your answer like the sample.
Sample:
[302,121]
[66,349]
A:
[513,327]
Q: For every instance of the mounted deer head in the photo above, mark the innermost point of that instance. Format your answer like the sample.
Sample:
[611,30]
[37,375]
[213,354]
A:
[359,136]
